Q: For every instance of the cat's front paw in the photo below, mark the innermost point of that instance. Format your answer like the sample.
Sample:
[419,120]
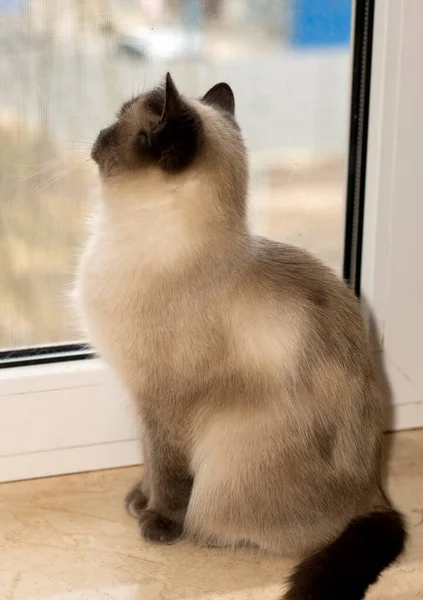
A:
[155,528]
[136,501]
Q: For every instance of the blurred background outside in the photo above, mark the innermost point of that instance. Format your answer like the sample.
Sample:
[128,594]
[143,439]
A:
[66,66]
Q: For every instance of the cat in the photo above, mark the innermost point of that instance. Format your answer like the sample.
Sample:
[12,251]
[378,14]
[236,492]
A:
[246,359]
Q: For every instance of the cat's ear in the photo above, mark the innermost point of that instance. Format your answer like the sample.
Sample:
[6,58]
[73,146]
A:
[172,101]
[222,97]
[176,138]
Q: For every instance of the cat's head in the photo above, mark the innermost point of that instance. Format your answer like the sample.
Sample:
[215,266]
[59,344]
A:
[164,132]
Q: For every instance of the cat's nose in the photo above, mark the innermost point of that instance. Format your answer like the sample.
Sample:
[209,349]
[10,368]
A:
[104,138]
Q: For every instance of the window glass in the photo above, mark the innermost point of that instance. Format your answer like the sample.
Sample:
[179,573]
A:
[65,68]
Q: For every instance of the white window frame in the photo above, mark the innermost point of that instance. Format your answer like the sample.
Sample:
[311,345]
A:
[62,418]
[67,417]
[393,191]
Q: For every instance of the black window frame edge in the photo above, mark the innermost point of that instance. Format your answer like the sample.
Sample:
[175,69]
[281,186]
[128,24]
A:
[356,177]
[358,138]
[38,355]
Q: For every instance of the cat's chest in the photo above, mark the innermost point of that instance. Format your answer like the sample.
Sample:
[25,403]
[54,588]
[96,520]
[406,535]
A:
[113,286]
[132,321]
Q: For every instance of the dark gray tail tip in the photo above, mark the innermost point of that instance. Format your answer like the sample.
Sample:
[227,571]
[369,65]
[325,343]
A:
[347,567]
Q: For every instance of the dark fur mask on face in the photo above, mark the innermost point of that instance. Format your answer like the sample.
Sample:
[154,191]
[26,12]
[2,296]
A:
[159,128]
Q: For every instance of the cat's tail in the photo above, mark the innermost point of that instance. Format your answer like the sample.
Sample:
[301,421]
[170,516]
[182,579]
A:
[349,565]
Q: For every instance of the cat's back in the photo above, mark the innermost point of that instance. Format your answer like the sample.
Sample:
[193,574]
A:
[306,333]
[305,307]
[291,274]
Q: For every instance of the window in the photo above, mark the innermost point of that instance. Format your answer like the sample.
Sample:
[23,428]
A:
[300,70]
[66,67]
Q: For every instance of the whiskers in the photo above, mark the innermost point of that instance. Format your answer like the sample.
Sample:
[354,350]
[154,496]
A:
[81,149]
[43,176]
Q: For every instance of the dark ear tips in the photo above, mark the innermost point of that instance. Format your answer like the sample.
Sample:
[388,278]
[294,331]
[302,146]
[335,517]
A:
[221,96]
[172,105]
[169,85]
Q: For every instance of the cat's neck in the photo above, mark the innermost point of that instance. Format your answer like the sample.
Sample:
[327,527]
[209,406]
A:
[165,224]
